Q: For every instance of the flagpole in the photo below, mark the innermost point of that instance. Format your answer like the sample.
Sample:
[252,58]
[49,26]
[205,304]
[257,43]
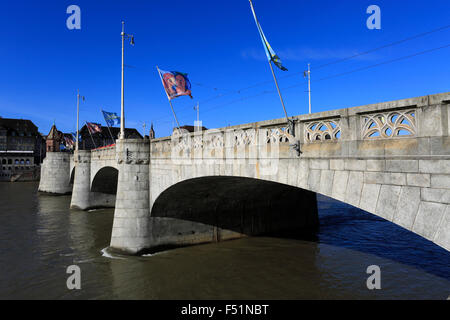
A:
[269,60]
[178,124]
[107,124]
[279,93]
[112,138]
[91,135]
[78,118]
[170,102]
[309,87]
[122,106]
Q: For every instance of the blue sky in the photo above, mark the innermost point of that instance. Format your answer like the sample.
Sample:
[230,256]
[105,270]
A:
[217,44]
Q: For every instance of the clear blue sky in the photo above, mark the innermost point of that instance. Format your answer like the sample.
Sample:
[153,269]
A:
[217,44]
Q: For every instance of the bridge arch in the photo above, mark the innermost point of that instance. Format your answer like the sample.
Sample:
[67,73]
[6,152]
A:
[72,175]
[105,180]
[214,208]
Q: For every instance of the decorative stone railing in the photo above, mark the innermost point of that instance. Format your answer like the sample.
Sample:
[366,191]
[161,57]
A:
[389,124]
[398,128]
[321,130]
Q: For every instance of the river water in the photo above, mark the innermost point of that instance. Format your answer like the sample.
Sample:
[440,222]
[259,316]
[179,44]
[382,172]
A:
[40,237]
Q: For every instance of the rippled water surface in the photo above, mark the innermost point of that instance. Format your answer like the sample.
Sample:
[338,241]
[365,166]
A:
[40,237]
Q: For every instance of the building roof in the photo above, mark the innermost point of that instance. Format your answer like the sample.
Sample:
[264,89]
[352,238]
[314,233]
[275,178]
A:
[106,132]
[190,128]
[54,134]
[18,125]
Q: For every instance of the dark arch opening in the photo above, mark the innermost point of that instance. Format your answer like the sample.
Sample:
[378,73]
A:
[210,209]
[72,176]
[105,181]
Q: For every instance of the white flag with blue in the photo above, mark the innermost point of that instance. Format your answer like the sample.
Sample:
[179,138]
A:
[74,136]
[111,118]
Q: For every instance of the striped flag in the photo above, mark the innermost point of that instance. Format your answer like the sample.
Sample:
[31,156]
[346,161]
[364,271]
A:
[93,127]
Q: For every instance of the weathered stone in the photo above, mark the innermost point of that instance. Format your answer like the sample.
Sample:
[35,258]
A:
[428,219]
[355,165]
[407,207]
[369,197]
[326,182]
[435,195]
[375,165]
[402,165]
[387,201]
[440,181]
[354,188]
[340,185]
[442,236]
[418,180]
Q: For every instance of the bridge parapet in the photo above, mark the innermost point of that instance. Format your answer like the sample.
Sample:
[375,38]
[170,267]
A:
[402,128]
[106,153]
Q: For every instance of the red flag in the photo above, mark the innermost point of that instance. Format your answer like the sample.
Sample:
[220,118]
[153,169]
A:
[93,127]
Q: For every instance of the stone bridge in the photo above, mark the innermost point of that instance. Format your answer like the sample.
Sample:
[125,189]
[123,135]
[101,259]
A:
[391,159]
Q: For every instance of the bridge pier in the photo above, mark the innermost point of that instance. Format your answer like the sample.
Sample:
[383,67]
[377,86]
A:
[55,173]
[81,193]
[82,196]
[130,232]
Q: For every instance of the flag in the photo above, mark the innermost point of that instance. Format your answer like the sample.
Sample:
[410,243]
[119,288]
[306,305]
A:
[93,127]
[175,83]
[69,142]
[74,136]
[111,118]
[271,56]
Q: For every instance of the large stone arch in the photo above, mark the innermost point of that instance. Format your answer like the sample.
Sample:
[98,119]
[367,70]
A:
[105,180]
[214,208]
[380,187]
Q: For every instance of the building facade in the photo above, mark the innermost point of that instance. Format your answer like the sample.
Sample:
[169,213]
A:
[107,136]
[22,149]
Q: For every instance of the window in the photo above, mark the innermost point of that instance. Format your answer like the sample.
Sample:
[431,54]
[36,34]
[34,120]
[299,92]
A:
[10,161]
[16,161]
[4,161]
[22,161]
[27,161]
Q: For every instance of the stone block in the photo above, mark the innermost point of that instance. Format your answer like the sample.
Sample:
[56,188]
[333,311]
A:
[387,201]
[440,181]
[355,165]
[337,164]
[402,165]
[322,164]
[303,173]
[435,195]
[326,182]
[340,185]
[442,236]
[428,219]
[418,180]
[375,165]
[434,166]
[369,197]
[314,180]
[354,188]
[408,205]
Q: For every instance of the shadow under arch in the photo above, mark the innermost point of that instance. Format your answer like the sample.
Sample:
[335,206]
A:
[72,176]
[105,181]
[214,208]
